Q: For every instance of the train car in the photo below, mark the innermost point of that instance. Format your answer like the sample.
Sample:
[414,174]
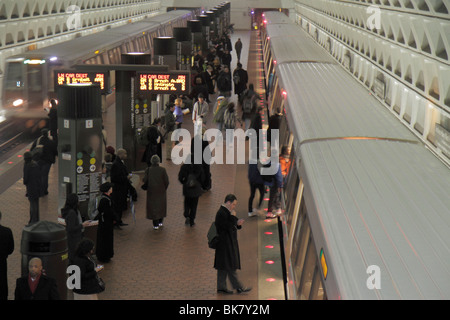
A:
[366,204]
[29,77]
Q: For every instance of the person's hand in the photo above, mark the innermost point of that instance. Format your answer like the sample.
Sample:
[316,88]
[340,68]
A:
[99,268]
[86,223]
[240,222]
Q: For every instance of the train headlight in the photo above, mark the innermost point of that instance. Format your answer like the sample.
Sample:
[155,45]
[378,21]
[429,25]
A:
[17,102]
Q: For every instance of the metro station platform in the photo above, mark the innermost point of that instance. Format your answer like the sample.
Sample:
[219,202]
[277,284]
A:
[173,263]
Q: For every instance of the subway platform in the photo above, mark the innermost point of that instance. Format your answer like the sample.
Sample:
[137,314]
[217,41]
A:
[175,262]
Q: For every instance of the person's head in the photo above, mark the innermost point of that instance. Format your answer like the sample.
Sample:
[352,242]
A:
[200,97]
[106,188]
[27,157]
[85,247]
[155,160]
[230,202]
[108,157]
[231,106]
[53,103]
[72,201]
[35,267]
[239,65]
[122,154]
[178,102]
[44,132]
[251,87]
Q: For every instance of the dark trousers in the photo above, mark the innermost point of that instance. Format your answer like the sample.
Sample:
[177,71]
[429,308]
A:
[34,210]
[190,207]
[253,188]
[3,279]
[45,169]
[222,279]
[274,199]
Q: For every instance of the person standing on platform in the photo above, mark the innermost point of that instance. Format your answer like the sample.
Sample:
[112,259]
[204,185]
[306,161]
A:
[219,111]
[6,248]
[199,113]
[105,232]
[226,58]
[53,120]
[224,82]
[249,105]
[227,258]
[256,183]
[74,223]
[89,282]
[47,156]
[156,182]
[209,77]
[178,112]
[36,285]
[32,180]
[240,79]
[238,48]
[170,124]
[192,177]
[120,178]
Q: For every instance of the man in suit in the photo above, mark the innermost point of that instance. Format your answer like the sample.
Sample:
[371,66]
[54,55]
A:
[120,178]
[36,285]
[227,259]
[6,248]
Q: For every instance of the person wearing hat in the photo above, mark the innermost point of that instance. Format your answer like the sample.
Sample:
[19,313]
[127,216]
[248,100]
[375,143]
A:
[199,113]
[105,231]
[32,180]
[47,156]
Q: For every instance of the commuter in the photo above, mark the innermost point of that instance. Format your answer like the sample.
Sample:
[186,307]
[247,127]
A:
[275,183]
[199,113]
[199,88]
[74,223]
[107,167]
[120,179]
[274,124]
[230,117]
[178,112]
[112,152]
[227,257]
[192,177]
[105,232]
[240,79]
[53,120]
[256,124]
[226,58]
[284,162]
[249,105]
[219,110]
[238,48]
[209,77]
[207,185]
[155,138]
[47,151]
[224,82]
[36,285]
[256,183]
[170,124]
[156,182]
[90,282]
[6,248]
[32,180]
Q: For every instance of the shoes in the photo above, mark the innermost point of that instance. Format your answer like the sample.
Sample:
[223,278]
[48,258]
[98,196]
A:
[192,223]
[278,212]
[187,221]
[243,289]
[226,291]
[155,227]
[252,214]
[270,215]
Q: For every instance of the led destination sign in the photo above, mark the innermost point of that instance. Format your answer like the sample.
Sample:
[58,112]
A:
[71,77]
[164,83]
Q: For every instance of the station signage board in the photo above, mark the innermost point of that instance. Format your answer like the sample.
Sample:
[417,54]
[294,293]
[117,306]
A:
[63,77]
[177,82]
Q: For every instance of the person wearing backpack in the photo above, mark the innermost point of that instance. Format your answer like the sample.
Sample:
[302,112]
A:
[240,79]
[230,117]
[249,105]
[192,177]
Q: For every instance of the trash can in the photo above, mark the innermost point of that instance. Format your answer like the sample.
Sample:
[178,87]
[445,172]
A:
[47,241]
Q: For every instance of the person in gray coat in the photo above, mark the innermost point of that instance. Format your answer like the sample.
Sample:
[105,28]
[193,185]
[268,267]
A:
[156,182]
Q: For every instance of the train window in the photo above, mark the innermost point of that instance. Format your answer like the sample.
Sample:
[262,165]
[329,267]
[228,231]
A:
[309,269]
[14,76]
[35,78]
[293,183]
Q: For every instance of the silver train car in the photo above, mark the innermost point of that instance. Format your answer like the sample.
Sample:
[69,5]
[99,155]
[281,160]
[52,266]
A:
[366,205]
[29,77]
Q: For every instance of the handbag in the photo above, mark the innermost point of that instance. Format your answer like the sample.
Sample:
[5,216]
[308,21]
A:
[101,284]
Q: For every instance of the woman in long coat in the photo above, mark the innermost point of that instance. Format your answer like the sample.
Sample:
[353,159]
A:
[157,181]
[105,232]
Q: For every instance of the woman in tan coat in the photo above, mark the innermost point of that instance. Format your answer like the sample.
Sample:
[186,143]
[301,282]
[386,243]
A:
[156,182]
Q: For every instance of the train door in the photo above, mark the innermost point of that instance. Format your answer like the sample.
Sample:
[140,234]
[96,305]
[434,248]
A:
[35,95]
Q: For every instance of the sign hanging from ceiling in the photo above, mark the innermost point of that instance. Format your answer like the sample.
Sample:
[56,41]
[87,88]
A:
[177,82]
[71,77]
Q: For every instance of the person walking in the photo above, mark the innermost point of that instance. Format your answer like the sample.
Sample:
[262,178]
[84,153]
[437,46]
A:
[224,82]
[219,110]
[240,79]
[199,113]
[238,48]
[89,282]
[74,223]
[156,182]
[275,183]
[227,258]
[249,105]
[192,177]
[36,285]
[47,157]
[6,248]
[120,178]
[178,112]
[105,233]
[32,180]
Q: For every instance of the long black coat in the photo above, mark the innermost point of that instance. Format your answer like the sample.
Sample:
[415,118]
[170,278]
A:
[89,282]
[197,171]
[6,248]
[157,182]
[105,232]
[74,230]
[32,179]
[45,290]
[227,252]
[119,178]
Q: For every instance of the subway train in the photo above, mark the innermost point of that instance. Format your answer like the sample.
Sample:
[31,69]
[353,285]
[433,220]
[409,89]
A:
[29,80]
[366,204]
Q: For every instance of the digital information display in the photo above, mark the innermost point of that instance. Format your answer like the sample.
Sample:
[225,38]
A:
[70,77]
[164,82]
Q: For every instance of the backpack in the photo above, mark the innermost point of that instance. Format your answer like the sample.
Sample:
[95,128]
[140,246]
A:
[229,120]
[142,136]
[247,104]
[236,78]
[212,236]
[191,181]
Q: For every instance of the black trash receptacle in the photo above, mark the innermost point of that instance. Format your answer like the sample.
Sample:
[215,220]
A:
[47,241]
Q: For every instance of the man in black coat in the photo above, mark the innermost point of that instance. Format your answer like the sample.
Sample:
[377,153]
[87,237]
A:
[120,178]
[224,82]
[32,180]
[227,259]
[240,79]
[36,285]
[6,248]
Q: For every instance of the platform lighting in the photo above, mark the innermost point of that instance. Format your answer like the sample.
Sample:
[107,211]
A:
[53,58]
[34,61]
[17,102]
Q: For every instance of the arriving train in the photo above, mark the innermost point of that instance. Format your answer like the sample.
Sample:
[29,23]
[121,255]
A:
[29,77]
[366,204]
